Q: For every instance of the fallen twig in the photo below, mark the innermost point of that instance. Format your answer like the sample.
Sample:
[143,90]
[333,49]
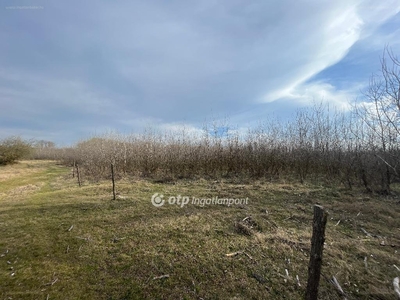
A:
[118,239]
[338,287]
[287,273]
[53,282]
[366,232]
[161,277]
[371,235]
[245,219]
[233,253]
[287,277]
[72,226]
[237,253]
[248,255]
[298,280]
[396,287]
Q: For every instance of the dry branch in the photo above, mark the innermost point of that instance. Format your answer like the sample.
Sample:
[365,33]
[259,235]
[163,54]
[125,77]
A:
[53,282]
[298,280]
[338,287]
[366,232]
[366,263]
[233,253]
[396,287]
[248,255]
[237,253]
[161,277]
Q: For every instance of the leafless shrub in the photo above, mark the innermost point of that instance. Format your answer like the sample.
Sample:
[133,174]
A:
[358,148]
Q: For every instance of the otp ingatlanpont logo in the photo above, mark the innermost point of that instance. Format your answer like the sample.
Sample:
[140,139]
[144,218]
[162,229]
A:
[157,200]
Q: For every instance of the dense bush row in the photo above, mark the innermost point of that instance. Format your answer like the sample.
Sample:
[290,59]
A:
[317,144]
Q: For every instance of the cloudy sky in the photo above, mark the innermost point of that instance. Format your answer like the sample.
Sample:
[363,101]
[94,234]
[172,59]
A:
[71,69]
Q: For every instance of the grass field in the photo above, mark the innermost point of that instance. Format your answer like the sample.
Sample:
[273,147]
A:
[61,241]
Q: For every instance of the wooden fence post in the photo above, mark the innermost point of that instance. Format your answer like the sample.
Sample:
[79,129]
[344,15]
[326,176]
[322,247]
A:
[78,175]
[113,180]
[317,246]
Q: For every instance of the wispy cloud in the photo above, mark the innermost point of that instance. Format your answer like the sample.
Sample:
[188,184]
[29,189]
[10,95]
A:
[92,65]
[337,34]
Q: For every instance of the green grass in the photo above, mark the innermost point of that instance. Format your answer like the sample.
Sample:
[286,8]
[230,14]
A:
[115,249]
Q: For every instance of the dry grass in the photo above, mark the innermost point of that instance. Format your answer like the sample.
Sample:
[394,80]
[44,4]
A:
[24,168]
[64,242]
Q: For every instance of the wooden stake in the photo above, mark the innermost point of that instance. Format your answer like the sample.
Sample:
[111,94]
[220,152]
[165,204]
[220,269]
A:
[317,246]
[113,180]
[78,174]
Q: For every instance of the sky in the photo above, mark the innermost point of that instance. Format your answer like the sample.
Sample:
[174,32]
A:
[73,69]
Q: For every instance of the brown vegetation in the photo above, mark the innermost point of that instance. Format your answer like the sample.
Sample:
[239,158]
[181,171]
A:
[354,148]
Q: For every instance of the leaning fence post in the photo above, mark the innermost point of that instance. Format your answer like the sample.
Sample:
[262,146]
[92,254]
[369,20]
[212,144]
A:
[317,246]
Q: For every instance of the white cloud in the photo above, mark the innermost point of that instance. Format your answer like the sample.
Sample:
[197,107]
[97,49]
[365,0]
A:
[165,64]
[336,34]
[325,93]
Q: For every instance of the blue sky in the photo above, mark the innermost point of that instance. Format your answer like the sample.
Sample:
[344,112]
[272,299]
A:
[71,69]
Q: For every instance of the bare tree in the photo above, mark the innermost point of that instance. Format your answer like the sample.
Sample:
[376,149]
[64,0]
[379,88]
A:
[380,112]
